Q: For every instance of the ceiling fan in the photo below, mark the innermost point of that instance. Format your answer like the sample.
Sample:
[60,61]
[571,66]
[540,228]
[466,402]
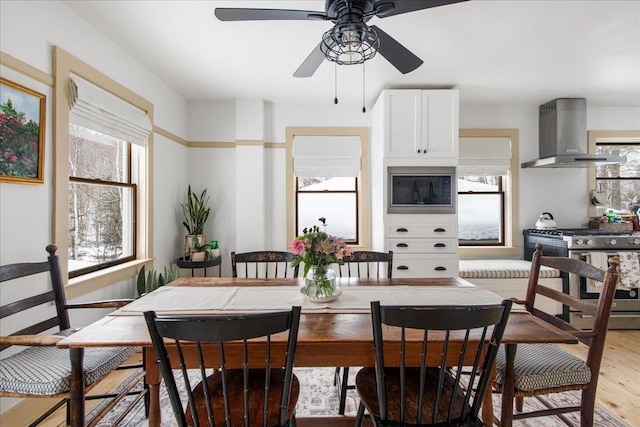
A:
[350,41]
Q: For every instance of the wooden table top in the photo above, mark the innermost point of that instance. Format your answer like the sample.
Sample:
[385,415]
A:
[324,339]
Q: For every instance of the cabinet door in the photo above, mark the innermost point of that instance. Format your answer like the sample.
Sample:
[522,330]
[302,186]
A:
[440,123]
[403,122]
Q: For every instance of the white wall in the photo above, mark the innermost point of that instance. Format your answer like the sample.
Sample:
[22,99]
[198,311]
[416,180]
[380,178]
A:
[28,31]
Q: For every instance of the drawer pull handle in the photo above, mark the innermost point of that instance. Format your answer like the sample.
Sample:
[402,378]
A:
[401,230]
[439,245]
[439,230]
[440,269]
[402,245]
[402,267]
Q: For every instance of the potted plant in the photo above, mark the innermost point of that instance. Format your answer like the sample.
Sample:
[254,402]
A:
[201,251]
[196,212]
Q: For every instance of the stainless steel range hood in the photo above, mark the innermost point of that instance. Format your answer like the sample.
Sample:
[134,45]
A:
[563,137]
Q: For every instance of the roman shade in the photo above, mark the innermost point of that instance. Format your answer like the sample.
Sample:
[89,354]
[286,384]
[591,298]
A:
[94,108]
[326,156]
[484,156]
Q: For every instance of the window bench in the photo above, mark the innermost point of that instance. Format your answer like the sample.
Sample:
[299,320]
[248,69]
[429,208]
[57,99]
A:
[509,278]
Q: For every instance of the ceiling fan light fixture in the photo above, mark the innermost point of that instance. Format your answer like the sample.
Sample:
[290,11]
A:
[350,44]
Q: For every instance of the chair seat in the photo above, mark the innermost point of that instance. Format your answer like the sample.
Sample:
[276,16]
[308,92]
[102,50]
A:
[544,366]
[235,388]
[367,389]
[54,375]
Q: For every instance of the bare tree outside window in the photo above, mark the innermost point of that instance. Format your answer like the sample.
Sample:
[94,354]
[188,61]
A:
[101,201]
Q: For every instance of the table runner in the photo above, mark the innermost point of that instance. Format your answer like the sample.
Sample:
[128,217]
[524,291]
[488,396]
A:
[354,299]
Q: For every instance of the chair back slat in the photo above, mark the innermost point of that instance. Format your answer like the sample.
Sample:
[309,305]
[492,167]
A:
[263,264]
[367,264]
[467,336]
[227,395]
[12,275]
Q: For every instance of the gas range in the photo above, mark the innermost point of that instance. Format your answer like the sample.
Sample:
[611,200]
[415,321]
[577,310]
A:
[585,238]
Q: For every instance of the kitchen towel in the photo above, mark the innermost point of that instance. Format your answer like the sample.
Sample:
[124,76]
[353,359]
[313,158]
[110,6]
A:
[598,260]
[629,270]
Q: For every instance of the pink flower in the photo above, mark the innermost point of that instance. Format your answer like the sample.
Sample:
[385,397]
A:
[298,247]
[13,159]
[6,154]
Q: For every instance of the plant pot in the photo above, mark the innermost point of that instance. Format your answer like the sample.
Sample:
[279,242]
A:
[215,253]
[189,243]
[197,256]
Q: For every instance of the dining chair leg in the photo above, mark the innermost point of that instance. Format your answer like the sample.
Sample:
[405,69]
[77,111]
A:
[519,403]
[344,385]
[508,386]
[588,406]
[359,415]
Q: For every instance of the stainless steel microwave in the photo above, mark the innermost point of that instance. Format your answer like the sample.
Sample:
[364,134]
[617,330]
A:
[422,190]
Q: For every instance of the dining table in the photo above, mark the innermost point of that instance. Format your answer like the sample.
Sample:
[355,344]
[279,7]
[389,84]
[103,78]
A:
[331,333]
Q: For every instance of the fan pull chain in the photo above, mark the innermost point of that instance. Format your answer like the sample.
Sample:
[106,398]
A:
[364,110]
[335,96]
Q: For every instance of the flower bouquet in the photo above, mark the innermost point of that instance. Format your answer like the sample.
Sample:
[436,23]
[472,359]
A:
[319,250]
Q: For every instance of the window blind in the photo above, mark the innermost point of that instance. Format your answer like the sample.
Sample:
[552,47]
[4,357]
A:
[484,156]
[326,156]
[94,108]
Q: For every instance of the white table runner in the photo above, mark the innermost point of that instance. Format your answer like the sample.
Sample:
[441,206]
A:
[354,299]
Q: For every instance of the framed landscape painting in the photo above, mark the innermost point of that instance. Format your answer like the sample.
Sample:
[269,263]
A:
[22,116]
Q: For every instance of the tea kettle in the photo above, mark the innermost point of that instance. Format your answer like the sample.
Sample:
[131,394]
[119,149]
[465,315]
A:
[546,222]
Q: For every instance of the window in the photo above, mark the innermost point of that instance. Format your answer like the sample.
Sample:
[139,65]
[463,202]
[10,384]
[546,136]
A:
[620,184]
[102,200]
[328,178]
[487,192]
[480,210]
[315,194]
[102,205]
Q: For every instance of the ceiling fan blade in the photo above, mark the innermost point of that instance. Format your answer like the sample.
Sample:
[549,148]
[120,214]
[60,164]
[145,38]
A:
[384,8]
[398,55]
[240,14]
[311,64]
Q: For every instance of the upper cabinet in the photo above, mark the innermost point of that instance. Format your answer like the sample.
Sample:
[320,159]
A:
[420,123]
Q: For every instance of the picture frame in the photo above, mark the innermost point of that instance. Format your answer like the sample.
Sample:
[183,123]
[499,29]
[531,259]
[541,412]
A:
[22,129]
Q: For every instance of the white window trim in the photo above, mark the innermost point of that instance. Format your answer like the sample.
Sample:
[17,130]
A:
[511,246]
[65,64]
[364,199]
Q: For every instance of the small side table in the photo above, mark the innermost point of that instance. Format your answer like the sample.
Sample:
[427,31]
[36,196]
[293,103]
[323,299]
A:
[185,262]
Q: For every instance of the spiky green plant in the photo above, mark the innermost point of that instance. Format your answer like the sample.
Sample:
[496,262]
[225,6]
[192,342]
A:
[152,280]
[196,212]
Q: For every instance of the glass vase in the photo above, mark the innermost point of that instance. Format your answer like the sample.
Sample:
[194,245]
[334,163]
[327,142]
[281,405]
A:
[320,282]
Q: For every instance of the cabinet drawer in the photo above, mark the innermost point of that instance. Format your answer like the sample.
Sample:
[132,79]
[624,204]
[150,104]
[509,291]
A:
[425,265]
[436,230]
[422,245]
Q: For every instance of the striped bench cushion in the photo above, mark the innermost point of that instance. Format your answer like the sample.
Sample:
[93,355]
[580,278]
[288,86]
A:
[17,373]
[501,269]
[542,366]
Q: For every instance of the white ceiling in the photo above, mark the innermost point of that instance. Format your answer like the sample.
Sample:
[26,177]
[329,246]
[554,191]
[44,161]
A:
[494,52]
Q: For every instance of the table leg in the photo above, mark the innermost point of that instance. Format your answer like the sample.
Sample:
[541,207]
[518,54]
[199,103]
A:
[77,388]
[152,378]
[508,386]
[487,400]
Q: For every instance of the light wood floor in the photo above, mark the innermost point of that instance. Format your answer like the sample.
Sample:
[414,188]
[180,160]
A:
[618,387]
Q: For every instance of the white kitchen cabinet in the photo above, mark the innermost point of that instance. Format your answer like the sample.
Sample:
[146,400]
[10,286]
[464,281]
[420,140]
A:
[423,245]
[420,123]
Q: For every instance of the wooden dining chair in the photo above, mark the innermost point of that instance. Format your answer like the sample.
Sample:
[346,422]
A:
[367,264]
[263,264]
[41,369]
[418,389]
[546,368]
[262,392]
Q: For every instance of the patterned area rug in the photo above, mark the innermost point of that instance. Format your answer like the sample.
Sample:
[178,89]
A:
[319,397]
